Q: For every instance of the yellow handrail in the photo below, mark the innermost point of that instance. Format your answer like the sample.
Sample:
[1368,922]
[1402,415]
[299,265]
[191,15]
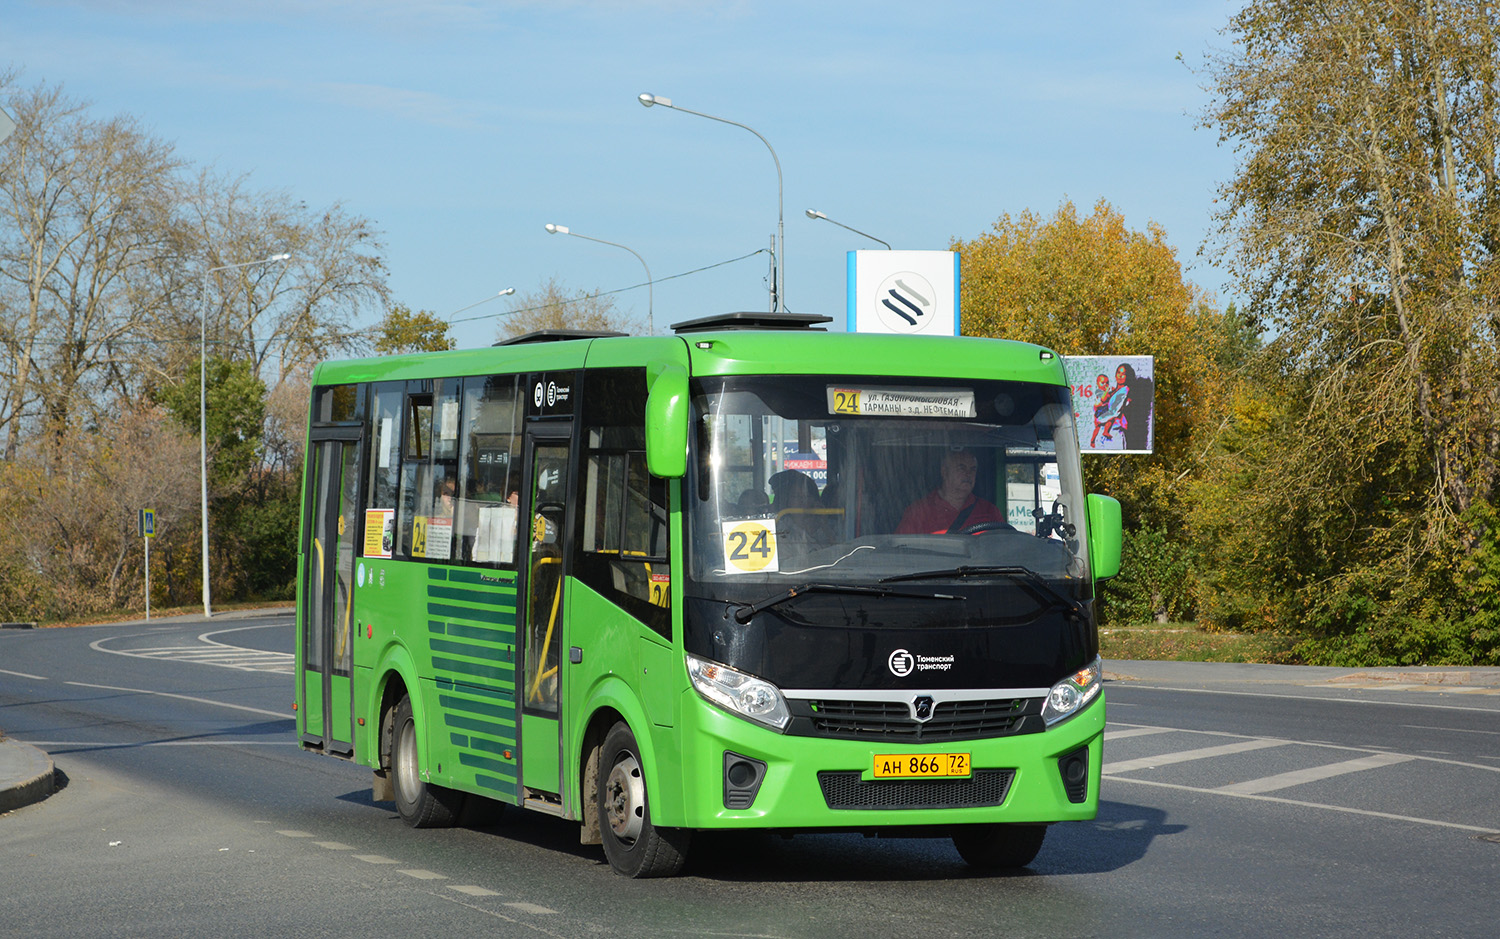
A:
[534,694]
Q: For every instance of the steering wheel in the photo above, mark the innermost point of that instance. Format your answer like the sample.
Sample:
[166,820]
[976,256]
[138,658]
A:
[986,526]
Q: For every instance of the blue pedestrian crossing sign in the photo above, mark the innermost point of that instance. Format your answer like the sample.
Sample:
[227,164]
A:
[148,523]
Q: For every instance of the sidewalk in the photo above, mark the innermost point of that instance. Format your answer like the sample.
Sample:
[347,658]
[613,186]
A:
[25,774]
[1442,679]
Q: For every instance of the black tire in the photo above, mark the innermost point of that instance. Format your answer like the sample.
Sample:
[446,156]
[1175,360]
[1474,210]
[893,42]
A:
[997,847]
[634,846]
[420,804]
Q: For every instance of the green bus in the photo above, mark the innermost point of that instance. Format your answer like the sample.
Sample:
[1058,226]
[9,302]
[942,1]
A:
[708,581]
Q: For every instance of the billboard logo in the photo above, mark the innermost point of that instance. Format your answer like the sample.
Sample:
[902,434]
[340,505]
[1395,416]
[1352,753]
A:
[906,301]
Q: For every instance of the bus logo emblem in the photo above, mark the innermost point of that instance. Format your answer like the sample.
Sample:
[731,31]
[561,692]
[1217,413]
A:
[901,663]
[922,708]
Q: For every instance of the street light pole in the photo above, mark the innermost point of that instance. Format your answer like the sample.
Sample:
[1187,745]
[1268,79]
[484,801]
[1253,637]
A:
[203,410]
[779,287]
[650,291]
[815,214]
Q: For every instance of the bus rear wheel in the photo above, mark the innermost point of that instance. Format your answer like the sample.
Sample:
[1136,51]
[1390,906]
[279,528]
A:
[997,847]
[634,846]
[420,804]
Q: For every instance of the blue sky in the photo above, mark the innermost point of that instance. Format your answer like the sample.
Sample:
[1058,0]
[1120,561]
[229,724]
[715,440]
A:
[462,127]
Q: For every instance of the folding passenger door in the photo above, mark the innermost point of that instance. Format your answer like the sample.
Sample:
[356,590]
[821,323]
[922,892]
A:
[326,650]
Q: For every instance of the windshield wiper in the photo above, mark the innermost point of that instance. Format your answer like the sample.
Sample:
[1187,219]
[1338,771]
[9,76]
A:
[1037,584]
[745,612]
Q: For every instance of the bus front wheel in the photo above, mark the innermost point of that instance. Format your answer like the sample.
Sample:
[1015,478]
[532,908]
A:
[634,846]
[420,804]
[999,846]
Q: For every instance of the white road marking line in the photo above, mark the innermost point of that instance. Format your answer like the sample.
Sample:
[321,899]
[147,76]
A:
[185,697]
[210,652]
[472,890]
[421,874]
[334,845]
[293,833]
[375,859]
[1315,773]
[1134,732]
[531,908]
[6,671]
[1306,805]
[1451,730]
[1184,756]
[1325,745]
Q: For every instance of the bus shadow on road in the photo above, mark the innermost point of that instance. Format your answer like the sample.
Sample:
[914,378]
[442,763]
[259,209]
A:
[1117,838]
[1120,835]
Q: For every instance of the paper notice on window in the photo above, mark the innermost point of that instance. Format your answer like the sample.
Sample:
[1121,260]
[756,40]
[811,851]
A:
[383,445]
[495,537]
[449,429]
[380,532]
[439,537]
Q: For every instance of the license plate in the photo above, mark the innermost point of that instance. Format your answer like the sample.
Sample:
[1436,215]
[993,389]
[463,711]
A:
[920,765]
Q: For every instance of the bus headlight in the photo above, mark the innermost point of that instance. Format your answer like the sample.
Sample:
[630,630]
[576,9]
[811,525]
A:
[1073,693]
[750,697]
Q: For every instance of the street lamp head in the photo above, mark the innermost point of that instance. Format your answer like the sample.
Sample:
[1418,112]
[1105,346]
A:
[557,229]
[280,257]
[506,292]
[814,213]
[647,100]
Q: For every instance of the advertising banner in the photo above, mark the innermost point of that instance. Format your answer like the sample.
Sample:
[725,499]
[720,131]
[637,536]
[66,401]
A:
[1114,402]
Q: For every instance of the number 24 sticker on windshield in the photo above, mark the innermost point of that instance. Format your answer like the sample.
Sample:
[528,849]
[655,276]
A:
[750,546]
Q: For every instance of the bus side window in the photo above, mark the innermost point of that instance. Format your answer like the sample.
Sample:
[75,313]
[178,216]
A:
[437,494]
[416,475]
[383,492]
[489,471]
[623,526]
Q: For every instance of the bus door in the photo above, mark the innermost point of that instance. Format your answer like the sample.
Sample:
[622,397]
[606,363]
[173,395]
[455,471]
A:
[543,634]
[327,653]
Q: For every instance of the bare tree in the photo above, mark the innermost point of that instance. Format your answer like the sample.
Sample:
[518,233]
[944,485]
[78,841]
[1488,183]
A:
[84,213]
[280,316]
[550,306]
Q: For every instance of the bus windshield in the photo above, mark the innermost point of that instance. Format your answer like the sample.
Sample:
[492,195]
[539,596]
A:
[850,479]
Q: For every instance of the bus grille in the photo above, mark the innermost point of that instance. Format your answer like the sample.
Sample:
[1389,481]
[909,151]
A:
[891,720]
[846,790]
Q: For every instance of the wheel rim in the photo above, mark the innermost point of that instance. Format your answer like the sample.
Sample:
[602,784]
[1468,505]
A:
[406,761]
[625,799]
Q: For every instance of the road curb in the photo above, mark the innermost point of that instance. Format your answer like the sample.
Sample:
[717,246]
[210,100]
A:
[26,775]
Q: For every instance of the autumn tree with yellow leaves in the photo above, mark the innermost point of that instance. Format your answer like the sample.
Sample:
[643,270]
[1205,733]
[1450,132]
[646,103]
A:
[1356,489]
[1093,286]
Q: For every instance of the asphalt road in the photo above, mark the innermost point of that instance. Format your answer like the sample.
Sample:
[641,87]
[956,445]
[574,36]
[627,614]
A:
[1238,801]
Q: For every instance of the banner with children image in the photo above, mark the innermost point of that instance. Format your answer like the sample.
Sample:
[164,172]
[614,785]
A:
[1114,399]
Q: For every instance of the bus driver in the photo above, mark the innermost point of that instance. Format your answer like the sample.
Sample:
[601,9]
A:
[952,506]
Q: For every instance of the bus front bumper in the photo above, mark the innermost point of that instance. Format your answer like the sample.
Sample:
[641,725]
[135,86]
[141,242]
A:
[737,774]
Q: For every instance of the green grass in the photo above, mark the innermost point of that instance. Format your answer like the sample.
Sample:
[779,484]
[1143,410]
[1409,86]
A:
[1187,642]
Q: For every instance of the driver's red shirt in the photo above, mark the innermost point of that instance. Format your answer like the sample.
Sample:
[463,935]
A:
[934,514]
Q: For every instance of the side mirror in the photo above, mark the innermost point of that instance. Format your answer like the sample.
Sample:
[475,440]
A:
[1106,535]
[667,424]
